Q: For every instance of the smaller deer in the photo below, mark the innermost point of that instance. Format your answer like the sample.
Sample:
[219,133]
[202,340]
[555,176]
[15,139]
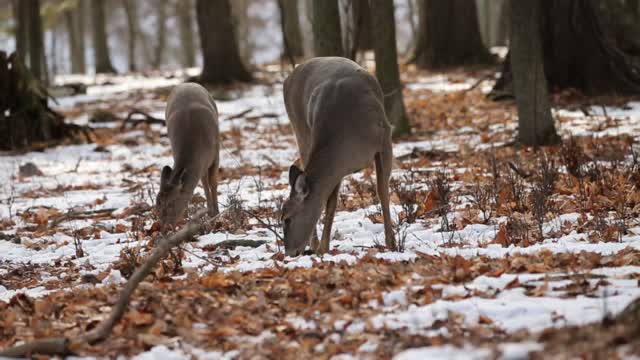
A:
[337,114]
[192,127]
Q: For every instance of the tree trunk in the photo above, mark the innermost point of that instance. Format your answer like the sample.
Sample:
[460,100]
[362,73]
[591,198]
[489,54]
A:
[75,52]
[161,26]
[185,25]
[101,56]
[36,41]
[411,10]
[290,21]
[24,116]
[221,60]
[81,14]
[387,71]
[327,38]
[535,123]
[449,35]
[357,31]
[577,54]
[131,11]
[53,51]
[21,15]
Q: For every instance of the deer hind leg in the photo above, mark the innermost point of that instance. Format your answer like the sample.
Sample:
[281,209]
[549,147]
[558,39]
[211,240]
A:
[330,212]
[383,172]
[212,200]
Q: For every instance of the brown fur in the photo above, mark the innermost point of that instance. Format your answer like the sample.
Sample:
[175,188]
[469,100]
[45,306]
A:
[337,114]
[192,127]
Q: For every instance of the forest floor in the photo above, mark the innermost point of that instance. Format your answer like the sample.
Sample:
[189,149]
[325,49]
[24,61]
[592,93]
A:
[506,252]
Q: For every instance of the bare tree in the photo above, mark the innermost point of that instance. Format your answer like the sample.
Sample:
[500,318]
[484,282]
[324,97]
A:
[161,31]
[535,123]
[184,9]
[21,15]
[76,37]
[131,11]
[290,21]
[327,38]
[577,53]
[101,56]
[221,60]
[449,35]
[36,41]
[357,30]
[387,72]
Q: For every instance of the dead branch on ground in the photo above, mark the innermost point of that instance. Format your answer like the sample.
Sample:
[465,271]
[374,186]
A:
[63,345]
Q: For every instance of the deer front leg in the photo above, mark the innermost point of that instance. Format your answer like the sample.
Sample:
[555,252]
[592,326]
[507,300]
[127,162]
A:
[330,212]
[383,171]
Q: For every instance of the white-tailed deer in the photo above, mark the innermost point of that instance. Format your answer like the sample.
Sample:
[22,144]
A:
[192,127]
[336,111]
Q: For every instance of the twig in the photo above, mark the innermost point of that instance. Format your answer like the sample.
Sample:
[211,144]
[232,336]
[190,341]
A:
[239,115]
[232,244]
[63,345]
[263,223]
[147,119]
[477,83]
[522,173]
[79,215]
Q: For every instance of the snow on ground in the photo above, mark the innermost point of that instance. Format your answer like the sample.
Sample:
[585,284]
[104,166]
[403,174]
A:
[77,177]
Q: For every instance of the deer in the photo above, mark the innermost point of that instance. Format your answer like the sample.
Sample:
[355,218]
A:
[192,127]
[336,111]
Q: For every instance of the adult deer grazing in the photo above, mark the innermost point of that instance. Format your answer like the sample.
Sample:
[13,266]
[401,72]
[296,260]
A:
[336,111]
[192,127]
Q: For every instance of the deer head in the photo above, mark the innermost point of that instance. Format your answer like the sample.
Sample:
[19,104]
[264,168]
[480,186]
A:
[173,197]
[299,215]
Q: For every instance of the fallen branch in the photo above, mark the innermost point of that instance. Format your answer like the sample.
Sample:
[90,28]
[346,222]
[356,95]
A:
[148,119]
[480,81]
[63,346]
[80,215]
[239,115]
[232,244]
[417,153]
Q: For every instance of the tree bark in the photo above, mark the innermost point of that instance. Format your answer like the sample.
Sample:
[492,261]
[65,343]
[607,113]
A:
[36,41]
[535,123]
[81,14]
[101,56]
[357,31]
[221,60]
[387,71]
[185,26]
[24,115]
[327,38]
[75,52]
[291,35]
[449,35]
[577,54]
[131,11]
[161,26]
[21,15]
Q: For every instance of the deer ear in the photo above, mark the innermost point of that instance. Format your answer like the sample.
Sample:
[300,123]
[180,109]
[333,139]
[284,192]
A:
[165,175]
[294,172]
[301,186]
